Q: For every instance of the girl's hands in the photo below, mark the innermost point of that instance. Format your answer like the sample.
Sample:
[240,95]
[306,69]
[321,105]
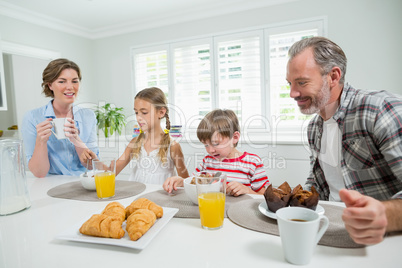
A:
[43,131]
[172,183]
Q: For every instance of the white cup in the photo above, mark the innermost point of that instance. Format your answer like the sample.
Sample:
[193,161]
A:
[298,228]
[58,125]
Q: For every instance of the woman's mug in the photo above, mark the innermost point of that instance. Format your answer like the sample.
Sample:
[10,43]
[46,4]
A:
[299,231]
[58,125]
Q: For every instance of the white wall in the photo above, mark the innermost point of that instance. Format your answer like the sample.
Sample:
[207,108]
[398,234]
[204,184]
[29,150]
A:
[27,71]
[77,49]
[369,31]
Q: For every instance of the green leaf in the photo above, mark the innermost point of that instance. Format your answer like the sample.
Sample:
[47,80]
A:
[110,119]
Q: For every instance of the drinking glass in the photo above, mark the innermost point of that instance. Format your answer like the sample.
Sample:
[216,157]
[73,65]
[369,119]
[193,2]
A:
[211,200]
[105,170]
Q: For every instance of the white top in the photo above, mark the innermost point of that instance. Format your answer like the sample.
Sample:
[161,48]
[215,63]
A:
[27,239]
[148,168]
[330,158]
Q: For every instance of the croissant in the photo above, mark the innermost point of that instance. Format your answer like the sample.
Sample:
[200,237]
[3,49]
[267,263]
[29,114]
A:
[144,203]
[115,209]
[103,226]
[139,222]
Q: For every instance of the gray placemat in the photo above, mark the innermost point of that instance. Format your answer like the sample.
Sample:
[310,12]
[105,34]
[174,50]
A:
[246,214]
[187,209]
[75,191]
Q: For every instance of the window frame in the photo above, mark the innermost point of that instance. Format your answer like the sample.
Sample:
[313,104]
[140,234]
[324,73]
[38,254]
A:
[268,134]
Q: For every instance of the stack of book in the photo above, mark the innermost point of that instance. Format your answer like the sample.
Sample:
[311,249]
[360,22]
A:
[175,131]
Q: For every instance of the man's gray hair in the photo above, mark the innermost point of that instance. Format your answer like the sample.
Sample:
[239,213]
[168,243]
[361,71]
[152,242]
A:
[327,54]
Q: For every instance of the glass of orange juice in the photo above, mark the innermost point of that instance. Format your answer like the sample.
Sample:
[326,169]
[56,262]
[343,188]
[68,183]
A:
[211,200]
[105,170]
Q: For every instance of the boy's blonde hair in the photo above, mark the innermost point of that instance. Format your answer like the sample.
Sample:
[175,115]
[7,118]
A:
[158,99]
[224,122]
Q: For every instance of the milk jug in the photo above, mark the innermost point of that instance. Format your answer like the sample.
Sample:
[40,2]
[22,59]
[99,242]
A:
[14,195]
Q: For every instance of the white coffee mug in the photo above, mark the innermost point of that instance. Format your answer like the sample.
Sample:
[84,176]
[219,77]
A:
[58,125]
[298,228]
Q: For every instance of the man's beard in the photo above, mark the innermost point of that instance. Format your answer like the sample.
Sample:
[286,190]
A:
[319,101]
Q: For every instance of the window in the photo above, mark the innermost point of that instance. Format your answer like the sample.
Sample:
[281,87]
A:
[281,105]
[244,72]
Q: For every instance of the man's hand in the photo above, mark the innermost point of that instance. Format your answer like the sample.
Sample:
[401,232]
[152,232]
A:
[365,217]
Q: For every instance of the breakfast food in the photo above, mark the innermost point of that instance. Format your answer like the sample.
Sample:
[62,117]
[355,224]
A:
[202,175]
[277,198]
[144,203]
[284,196]
[115,209]
[304,198]
[139,222]
[103,226]
[141,215]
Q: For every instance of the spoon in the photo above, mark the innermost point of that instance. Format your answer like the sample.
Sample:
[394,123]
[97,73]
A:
[216,175]
[86,170]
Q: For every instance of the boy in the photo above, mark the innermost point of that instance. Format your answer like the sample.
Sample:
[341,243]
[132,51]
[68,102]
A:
[219,131]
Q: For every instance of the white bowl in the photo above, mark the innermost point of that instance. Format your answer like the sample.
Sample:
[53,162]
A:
[88,182]
[191,190]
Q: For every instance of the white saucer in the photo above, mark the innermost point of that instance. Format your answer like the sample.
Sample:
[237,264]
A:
[265,210]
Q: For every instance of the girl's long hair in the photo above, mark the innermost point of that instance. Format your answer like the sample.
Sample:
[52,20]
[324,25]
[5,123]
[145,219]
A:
[157,98]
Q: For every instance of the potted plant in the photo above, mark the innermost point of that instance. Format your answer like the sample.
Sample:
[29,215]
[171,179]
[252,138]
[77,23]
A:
[110,119]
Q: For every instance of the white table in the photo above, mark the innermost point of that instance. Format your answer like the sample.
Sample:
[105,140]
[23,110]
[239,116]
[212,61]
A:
[27,240]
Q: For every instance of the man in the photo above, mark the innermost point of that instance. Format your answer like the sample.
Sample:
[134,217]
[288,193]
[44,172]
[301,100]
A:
[355,140]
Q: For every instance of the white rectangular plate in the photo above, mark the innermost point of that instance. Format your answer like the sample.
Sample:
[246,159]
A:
[73,233]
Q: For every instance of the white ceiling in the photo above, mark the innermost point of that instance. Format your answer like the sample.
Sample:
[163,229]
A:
[102,18]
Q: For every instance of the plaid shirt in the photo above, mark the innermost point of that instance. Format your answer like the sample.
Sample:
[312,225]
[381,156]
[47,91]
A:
[371,158]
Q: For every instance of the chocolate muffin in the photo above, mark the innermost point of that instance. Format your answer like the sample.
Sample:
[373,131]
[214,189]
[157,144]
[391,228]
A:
[277,198]
[304,198]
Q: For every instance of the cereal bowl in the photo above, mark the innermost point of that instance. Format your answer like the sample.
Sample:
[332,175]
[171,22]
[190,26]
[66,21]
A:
[88,182]
[191,190]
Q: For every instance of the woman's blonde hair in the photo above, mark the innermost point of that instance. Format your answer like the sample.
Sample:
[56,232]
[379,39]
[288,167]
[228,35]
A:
[158,99]
[224,122]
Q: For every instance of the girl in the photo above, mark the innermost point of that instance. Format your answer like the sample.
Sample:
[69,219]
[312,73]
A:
[154,154]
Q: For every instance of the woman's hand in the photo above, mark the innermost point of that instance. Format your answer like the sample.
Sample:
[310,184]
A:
[43,131]
[86,155]
[172,183]
[72,133]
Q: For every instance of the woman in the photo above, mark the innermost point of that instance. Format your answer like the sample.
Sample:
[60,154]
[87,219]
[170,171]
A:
[44,152]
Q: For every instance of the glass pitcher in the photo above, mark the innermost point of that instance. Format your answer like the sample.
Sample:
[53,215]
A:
[14,195]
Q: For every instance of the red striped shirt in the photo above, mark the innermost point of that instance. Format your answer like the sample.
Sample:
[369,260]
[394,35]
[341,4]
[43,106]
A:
[247,169]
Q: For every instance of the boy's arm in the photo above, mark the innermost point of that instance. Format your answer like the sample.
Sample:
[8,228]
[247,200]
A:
[259,180]
[236,188]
